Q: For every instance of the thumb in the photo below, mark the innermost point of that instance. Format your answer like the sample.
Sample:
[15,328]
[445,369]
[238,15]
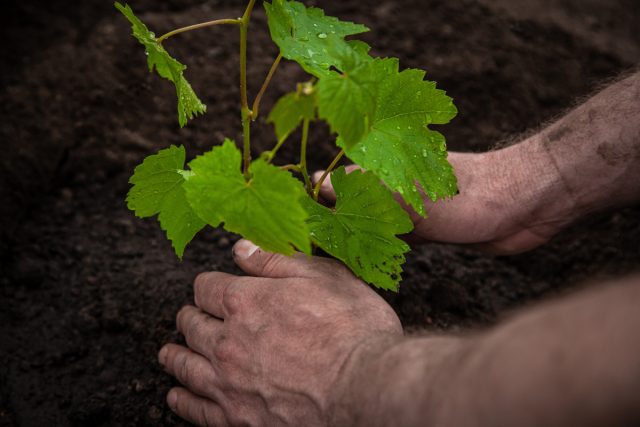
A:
[256,262]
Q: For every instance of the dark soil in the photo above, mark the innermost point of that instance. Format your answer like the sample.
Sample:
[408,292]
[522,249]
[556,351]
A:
[89,293]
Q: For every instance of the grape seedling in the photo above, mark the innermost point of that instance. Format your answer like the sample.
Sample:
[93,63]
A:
[379,113]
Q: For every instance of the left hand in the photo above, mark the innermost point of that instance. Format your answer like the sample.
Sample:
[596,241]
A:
[275,348]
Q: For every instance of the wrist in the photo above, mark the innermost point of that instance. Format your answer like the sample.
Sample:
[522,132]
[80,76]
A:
[536,200]
[346,401]
[510,200]
[398,381]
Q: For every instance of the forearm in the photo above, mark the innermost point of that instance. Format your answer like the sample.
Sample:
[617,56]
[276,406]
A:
[592,153]
[570,362]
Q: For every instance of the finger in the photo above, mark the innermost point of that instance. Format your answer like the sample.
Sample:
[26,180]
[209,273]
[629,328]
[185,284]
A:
[512,245]
[190,368]
[195,409]
[200,330]
[257,262]
[327,193]
[209,290]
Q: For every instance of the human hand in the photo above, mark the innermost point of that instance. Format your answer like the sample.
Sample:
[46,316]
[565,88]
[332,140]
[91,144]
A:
[275,348]
[510,201]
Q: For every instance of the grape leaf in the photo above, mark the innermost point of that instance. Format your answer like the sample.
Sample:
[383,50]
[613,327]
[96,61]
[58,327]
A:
[347,100]
[399,147]
[158,189]
[189,105]
[305,35]
[361,230]
[266,210]
[290,110]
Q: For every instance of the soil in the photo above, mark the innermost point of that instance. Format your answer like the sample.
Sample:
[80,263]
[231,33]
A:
[89,293]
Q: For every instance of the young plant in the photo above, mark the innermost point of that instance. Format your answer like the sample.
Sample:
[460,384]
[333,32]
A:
[380,114]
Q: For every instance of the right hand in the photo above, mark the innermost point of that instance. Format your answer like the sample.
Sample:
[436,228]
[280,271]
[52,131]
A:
[509,202]
[280,346]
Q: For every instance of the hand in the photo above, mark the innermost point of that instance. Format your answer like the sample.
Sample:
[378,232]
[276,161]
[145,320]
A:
[510,201]
[273,349]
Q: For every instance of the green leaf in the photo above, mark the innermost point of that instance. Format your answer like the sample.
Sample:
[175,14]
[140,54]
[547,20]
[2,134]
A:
[158,189]
[290,110]
[213,177]
[360,47]
[189,105]
[361,230]
[305,35]
[399,147]
[266,210]
[347,100]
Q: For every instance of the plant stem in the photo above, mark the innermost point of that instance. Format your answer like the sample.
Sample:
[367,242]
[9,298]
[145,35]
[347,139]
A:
[269,155]
[303,156]
[197,26]
[247,12]
[245,112]
[256,104]
[316,189]
[246,143]
[295,168]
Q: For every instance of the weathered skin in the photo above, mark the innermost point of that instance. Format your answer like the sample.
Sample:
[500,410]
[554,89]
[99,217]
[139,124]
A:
[302,342]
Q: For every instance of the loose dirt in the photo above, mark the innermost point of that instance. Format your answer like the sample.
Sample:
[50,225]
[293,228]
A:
[89,293]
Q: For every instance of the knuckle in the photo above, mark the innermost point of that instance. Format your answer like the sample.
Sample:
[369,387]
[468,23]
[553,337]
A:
[208,418]
[203,417]
[181,316]
[195,330]
[201,282]
[187,408]
[393,322]
[205,280]
[201,279]
[233,298]
[271,265]
[237,416]
[184,370]
[331,268]
[225,350]
[386,319]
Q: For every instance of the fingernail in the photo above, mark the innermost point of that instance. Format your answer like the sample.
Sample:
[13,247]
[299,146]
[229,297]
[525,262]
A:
[172,399]
[316,176]
[162,356]
[244,249]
